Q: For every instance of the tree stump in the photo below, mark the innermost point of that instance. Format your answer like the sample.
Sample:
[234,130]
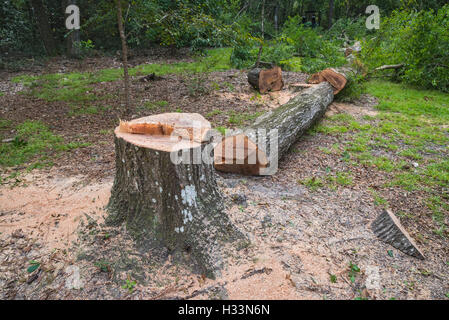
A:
[266,80]
[166,194]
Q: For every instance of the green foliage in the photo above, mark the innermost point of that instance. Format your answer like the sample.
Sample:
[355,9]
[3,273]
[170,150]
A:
[354,270]
[419,40]
[316,52]
[298,48]
[129,285]
[354,88]
[278,53]
[85,47]
[33,266]
[347,28]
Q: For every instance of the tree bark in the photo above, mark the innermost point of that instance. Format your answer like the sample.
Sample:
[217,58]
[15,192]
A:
[73,39]
[252,152]
[331,13]
[259,55]
[177,206]
[389,229]
[44,27]
[124,55]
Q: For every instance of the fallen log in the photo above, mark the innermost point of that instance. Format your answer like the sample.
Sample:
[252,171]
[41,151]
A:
[257,149]
[164,191]
[266,80]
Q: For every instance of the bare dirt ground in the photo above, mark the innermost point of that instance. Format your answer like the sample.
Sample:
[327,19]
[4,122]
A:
[302,241]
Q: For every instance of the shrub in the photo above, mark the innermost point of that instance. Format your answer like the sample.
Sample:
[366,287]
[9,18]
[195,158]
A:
[419,40]
[345,29]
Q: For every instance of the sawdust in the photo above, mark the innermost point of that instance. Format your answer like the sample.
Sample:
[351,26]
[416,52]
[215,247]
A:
[352,109]
[272,100]
[49,208]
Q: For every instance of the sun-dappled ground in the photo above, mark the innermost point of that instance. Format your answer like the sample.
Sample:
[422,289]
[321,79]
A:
[308,224]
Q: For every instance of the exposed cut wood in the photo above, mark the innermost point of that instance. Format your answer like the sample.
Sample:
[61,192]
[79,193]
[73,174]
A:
[166,127]
[336,77]
[236,154]
[296,87]
[266,80]
[251,152]
[169,201]
[389,229]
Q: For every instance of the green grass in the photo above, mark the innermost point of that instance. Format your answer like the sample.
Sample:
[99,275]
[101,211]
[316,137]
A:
[331,181]
[411,123]
[238,119]
[313,183]
[76,86]
[33,144]
[408,140]
[154,105]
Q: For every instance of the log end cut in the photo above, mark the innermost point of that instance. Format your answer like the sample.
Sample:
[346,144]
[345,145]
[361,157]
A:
[266,80]
[238,154]
[337,79]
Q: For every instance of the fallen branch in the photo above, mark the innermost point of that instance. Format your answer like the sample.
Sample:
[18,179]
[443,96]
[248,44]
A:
[392,66]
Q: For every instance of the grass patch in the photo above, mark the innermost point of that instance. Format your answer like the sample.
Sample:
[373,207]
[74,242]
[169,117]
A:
[76,86]
[154,105]
[33,144]
[411,126]
[238,119]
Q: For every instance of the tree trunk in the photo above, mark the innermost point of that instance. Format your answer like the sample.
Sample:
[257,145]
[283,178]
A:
[276,18]
[254,151]
[331,13]
[266,80]
[259,55]
[44,27]
[124,55]
[73,39]
[177,206]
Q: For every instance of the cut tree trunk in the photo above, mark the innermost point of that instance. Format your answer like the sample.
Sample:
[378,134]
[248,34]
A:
[266,80]
[256,150]
[336,77]
[166,194]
